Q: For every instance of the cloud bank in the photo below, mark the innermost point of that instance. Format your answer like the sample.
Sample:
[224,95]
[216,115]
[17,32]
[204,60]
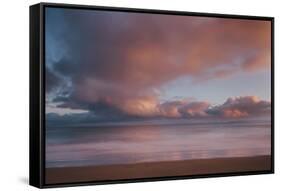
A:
[232,108]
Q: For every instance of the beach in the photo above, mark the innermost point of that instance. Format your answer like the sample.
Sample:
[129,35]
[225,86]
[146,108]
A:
[157,169]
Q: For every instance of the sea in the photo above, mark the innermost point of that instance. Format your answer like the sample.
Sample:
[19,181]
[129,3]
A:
[141,141]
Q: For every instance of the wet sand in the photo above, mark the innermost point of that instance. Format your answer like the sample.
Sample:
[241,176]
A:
[157,169]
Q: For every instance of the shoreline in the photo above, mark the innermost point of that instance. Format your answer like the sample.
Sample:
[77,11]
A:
[157,169]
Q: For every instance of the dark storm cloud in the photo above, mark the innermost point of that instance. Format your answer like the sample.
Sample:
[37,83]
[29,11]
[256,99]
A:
[52,80]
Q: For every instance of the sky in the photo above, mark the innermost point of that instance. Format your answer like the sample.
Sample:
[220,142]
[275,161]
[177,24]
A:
[103,65]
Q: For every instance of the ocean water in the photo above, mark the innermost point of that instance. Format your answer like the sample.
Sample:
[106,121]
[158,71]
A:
[155,140]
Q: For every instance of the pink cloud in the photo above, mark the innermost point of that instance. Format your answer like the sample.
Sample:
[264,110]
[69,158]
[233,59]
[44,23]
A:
[151,107]
[242,107]
[121,61]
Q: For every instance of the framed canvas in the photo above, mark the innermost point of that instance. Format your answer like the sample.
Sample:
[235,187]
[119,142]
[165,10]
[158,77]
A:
[125,95]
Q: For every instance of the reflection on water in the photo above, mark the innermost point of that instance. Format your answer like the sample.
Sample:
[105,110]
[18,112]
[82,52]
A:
[122,143]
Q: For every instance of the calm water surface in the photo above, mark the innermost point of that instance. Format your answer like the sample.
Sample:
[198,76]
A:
[136,142]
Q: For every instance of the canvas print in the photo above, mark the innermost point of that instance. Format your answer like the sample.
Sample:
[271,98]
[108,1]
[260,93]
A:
[140,95]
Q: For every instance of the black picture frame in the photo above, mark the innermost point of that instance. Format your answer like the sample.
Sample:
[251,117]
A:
[37,93]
